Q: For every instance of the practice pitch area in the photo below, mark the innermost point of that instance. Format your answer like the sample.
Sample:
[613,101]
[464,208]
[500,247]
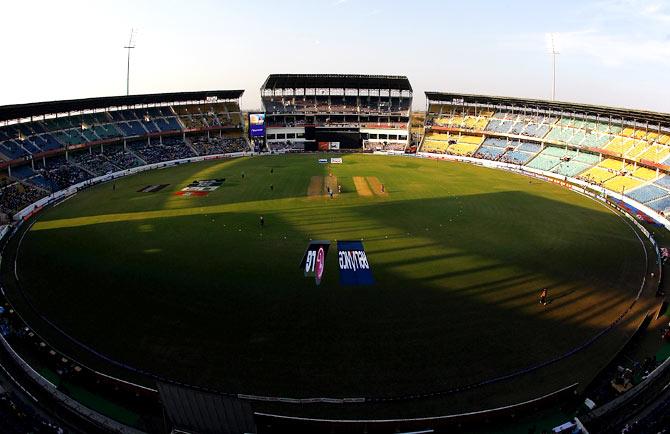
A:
[194,289]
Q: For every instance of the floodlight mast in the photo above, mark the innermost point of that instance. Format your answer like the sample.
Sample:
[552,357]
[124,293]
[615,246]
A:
[129,47]
[553,53]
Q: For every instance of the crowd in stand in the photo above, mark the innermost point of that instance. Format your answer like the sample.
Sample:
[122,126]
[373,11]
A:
[485,156]
[18,195]
[286,145]
[59,174]
[218,145]
[94,163]
[385,146]
[508,159]
[122,158]
[337,104]
[56,173]
[288,123]
[257,144]
[502,157]
[169,149]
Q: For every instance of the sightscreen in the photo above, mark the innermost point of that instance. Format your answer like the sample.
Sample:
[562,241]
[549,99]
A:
[345,139]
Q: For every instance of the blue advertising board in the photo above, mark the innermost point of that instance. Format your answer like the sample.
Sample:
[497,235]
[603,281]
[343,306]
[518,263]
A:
[354,266]
[257,124]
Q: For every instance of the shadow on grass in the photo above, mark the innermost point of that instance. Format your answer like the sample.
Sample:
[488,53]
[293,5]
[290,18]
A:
[222,302]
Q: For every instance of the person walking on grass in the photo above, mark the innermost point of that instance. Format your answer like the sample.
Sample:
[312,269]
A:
[543,297]
[262,221]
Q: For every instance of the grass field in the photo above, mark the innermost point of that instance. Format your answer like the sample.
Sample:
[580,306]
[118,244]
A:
[193,288]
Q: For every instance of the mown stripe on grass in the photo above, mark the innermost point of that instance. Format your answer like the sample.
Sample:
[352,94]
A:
[134,216]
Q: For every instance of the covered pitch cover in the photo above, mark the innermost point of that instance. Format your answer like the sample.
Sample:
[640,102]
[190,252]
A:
[354,265]
[314,260]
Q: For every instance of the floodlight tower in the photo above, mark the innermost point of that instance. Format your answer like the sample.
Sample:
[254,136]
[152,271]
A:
[553,53]
[129,47]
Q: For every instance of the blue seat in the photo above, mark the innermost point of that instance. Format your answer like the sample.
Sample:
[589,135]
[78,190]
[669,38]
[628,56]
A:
[661,205]
[647,193]
[517,156]
[13,150]
[663,181]
[22,172]
[529,147]
[490,152]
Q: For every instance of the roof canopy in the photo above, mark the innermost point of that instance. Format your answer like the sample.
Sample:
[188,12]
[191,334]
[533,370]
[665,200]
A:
[20,111]
[336,81]
[585,109]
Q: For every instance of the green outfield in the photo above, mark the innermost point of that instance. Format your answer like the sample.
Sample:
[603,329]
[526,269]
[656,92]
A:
[194,289]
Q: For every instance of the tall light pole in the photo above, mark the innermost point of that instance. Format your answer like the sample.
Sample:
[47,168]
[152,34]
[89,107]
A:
[129,47]
[553,53]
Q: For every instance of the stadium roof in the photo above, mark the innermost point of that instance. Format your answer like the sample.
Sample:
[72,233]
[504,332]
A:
[20,111]
[336,81]
[637,115]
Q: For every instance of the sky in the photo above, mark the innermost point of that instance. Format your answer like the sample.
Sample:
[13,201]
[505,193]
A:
[612,52]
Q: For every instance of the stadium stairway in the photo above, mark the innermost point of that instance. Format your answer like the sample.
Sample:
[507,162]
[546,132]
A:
[190,145]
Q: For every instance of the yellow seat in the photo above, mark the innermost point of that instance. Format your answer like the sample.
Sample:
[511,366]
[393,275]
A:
[474,140]
[637,148]
[475,122]
[434,146]
[655,153]
[481,123]
[622,183]
[456,121]
[597,174]
[439,143]
[619,145]
[644,173]
[610,163]
[437,136]
[463,148]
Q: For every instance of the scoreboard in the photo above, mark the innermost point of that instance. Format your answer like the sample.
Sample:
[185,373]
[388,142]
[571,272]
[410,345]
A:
[256,125]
